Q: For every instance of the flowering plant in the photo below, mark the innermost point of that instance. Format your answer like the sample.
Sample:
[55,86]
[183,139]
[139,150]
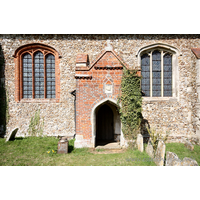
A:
[51,152]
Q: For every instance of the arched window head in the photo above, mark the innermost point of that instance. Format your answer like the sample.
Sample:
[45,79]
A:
[27,75]
[37,73]
[159,70]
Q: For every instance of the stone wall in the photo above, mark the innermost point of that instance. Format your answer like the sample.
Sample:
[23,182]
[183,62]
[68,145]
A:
[175,115]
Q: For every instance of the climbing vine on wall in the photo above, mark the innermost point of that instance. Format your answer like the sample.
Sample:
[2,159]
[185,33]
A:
[131,104]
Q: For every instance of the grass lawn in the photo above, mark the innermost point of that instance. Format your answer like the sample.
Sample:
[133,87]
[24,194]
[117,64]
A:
[33,151]
[181,151]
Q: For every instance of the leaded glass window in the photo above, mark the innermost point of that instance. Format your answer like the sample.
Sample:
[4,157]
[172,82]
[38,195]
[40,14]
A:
[156,74]
[39,75]
[27,76]
[156,68]
[167,75]
[50,76]
[146,74]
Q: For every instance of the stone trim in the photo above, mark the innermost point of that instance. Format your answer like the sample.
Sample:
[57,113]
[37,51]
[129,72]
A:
[93,120]
[157,45]
[175,68]
[149,99]
[39,100]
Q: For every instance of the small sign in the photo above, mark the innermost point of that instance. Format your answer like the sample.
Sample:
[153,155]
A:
[108,88]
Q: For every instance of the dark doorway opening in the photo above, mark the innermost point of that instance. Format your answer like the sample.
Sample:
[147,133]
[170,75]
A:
[104,125]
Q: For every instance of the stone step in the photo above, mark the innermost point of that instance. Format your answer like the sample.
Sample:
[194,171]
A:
[112,145]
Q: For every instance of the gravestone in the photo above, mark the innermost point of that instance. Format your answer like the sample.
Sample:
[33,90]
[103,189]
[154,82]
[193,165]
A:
[12,134]
[63,145]
[140,142]
[172,159]
[160,153]
[189,146]
[189,162]
[149,149]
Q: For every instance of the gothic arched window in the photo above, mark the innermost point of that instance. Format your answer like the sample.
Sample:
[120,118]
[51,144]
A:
[37,73]
[156,71]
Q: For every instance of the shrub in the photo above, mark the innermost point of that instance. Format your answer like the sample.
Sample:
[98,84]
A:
[155,137]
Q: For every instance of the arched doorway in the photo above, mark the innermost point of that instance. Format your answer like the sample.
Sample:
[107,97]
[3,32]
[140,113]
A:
[117,132]
[104,125]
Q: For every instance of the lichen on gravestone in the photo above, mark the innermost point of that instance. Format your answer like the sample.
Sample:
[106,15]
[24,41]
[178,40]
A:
[189,162]
[149,149]
[140,142]
[172,159]
[160,153]
[189,146]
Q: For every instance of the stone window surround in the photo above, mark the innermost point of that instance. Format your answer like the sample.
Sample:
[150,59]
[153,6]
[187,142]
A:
[93,119]
[175,72]
[32,49]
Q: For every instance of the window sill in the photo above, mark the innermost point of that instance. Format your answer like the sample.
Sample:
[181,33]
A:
[155,99]
[39,100]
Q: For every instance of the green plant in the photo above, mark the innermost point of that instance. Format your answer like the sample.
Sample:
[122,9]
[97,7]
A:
[131,104]
[51,152]
[36,125]
[155,137]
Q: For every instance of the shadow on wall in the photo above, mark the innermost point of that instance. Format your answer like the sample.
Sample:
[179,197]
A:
[144,131]
[3,96]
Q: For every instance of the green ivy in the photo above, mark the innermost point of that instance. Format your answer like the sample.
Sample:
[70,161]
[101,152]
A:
[131,104]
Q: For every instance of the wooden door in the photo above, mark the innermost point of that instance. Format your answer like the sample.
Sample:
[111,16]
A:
[104,124]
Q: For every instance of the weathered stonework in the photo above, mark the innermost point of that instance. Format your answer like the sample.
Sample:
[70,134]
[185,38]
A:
[62,146]
[140,142]
[178,115]
[189,146]
[11,136]
[173,160]
[189,162]
[149,149]
[160,153]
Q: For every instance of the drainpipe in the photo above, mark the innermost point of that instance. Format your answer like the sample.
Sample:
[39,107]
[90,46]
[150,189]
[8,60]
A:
[74,94]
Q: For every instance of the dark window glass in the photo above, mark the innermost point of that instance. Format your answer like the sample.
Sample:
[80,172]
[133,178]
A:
[27,76]
[145,82]
[156,74]
[39,74]
[50,74]
[167,72]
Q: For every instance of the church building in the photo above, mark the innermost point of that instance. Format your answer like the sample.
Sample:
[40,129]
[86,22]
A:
[75,81]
